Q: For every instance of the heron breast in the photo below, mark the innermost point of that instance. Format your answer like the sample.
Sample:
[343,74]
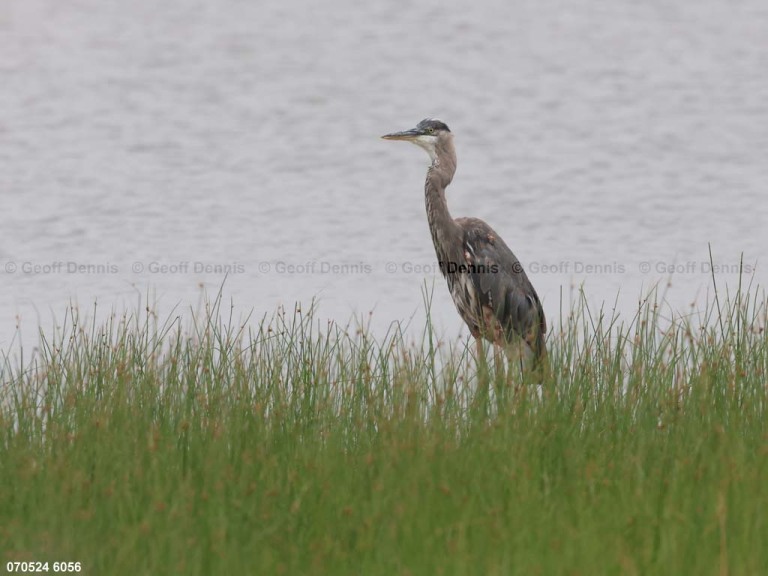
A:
[465,298]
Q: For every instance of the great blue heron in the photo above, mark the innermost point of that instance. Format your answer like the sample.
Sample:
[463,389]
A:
[488,285]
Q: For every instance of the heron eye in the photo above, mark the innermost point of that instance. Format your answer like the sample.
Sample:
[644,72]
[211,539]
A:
[430,130]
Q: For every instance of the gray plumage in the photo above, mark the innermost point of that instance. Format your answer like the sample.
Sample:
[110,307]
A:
[487,282]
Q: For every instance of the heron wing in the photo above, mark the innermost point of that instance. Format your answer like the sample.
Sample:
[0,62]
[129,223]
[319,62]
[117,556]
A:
[502,285]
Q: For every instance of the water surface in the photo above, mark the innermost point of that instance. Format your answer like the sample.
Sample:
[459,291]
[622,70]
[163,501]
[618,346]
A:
[149,149]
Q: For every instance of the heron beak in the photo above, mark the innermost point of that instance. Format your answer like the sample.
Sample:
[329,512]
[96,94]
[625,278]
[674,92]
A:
[404,135]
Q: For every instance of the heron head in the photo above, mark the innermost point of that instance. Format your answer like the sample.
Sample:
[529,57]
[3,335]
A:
[426,135]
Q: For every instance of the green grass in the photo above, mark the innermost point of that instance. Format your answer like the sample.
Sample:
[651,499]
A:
[200,446]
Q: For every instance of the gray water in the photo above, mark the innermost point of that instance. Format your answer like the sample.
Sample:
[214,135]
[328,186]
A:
[140,142]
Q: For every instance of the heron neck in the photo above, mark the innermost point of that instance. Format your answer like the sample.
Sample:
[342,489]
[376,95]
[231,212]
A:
[446,234]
